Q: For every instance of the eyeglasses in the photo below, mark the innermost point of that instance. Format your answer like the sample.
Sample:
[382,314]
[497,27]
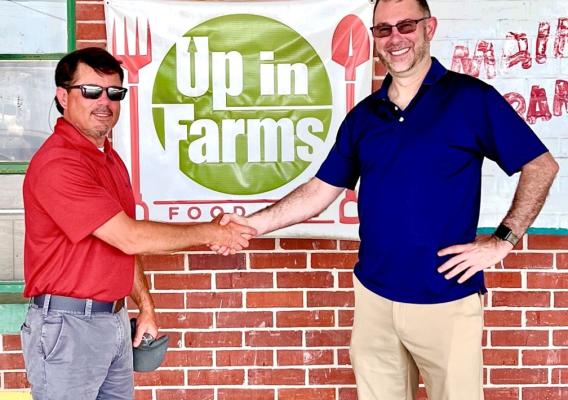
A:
[403,27]
[114,93]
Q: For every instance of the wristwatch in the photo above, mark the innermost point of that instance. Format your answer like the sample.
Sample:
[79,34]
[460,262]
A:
[503,232]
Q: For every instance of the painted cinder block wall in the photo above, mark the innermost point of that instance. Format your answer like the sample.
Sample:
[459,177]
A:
[273,323]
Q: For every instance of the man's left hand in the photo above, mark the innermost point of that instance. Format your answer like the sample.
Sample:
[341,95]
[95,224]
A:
[473,257]
[145,323]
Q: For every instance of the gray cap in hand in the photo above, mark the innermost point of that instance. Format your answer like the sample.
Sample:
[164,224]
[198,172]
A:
[150,353]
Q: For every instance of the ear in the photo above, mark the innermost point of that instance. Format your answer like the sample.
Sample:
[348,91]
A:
[431,26]
[62,95]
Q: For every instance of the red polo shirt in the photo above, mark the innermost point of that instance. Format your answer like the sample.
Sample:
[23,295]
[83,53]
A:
[72,188]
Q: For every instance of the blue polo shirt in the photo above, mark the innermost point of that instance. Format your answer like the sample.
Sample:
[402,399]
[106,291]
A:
[420,172]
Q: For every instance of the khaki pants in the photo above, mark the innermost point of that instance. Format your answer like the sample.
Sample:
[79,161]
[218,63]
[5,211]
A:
[393,342]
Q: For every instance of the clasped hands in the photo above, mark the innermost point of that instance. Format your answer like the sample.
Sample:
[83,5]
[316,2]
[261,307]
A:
[234,234]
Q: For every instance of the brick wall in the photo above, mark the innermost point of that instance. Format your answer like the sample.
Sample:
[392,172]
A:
[273,323]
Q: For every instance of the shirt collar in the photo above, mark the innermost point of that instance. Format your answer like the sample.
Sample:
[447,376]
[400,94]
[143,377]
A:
[78,140]
[435,73]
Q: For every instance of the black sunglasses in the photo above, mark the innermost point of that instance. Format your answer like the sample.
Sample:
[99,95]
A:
[403,27]
[114,93]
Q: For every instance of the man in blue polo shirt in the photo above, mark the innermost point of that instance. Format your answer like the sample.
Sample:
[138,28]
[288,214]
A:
[417,145]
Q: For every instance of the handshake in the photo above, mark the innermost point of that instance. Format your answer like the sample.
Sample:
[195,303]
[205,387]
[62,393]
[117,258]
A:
[234,233]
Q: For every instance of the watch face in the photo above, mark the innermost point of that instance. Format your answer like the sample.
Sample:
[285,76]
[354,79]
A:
[502,232]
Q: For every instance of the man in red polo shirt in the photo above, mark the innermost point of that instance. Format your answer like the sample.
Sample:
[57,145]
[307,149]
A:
[81,241]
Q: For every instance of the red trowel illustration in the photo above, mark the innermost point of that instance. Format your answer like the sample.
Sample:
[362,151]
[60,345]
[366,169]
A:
[350,48]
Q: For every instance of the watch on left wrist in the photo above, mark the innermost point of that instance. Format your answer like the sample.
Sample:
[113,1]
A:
[503,232]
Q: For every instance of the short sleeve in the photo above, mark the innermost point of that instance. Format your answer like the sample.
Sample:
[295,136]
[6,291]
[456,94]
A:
[506,138]
[341,166]
[70,194]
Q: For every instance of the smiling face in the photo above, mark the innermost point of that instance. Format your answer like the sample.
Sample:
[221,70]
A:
[94,118]
[404,54]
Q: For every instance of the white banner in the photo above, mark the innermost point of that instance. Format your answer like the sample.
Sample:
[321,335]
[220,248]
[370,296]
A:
[234,104]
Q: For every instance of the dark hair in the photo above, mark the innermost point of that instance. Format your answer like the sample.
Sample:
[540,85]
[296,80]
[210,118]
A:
[98,59]
[422,3]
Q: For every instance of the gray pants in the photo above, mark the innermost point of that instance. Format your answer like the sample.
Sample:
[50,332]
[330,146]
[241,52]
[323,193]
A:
[78,356]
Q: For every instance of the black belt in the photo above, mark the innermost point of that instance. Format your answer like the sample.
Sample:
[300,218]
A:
[63,303]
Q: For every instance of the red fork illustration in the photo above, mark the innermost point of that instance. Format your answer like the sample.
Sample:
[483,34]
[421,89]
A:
[133,63]
[350,48]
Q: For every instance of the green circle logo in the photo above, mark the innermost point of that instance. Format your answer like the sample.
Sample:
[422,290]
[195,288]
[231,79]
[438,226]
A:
[250,101]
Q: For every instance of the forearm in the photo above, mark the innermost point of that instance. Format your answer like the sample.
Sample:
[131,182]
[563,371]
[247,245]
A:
[533,187]
[305,202]
[140,292]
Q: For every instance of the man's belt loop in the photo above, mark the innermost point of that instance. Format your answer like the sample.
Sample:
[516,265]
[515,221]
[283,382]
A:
[46,304]
[88,308]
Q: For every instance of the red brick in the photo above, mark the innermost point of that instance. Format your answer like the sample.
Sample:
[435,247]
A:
[185,394]
[343,357]
[331,299]
[545,357]
[304,280]
[306,394]
[559,376]
[15,380]
[321,318]
[216,261]
[273,338]
[182,281]
[376,84]
[519,338]
[349,244]
[345,279]
[308,244]
[11,342]
[528,260]
[214,300]
[547,318]
[501,318]
[518,376]
[560,338]
[274,299]
[501,279]
[547,242]
[561,299]
[143,394]
[379,70]
[332,376]
[521,299]
[162,262]
[244,280]
[543,280]
[184,320]
[330,338]
[501,393]
[190,358]
[347,393]
[90,31]
[228,358]
[545,393]
[278,376]
[334,260]
[213,339]
[562,260]
[500,357]
[262,244]
[246,394]
[304,357]
[89,12]
[216,377]
[159,378]
[345,317]
[11,361]
[278,260]
[251,319]
[168,300]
